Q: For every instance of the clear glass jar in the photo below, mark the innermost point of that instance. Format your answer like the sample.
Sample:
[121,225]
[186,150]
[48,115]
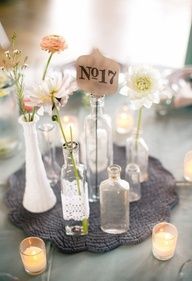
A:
[47,132]
[132,175]
[137,152]
[114,202]
[98,146]
[9,113]
[74,192]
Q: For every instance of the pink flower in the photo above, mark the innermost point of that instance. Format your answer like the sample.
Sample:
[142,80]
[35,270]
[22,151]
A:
[53,43]
[28,105]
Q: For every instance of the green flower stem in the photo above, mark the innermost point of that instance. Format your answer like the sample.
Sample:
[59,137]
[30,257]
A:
[47,65]
[20,96]
[59,122]
[33,114]
[138,126]
[76,173]
[85,225]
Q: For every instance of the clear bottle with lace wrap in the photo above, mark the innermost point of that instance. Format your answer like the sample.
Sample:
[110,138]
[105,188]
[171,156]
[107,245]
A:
[74,192]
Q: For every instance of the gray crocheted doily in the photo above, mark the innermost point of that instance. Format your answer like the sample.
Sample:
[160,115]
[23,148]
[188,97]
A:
[158,197]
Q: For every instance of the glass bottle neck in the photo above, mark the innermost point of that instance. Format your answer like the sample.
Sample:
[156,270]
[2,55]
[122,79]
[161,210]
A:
[114,178]
[97,105]
[71,153]
[114,172]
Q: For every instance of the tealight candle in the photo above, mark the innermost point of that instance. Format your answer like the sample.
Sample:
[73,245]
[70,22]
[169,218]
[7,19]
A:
[124,120]
[70,121]
[188,166]
[164,239]
[33,255]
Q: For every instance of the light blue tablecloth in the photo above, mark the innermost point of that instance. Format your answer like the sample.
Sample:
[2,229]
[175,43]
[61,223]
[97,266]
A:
[168,139]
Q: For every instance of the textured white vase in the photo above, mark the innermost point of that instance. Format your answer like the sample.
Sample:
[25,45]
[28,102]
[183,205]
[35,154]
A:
[38,195]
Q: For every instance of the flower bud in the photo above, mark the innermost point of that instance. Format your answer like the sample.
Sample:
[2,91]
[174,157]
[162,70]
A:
[16,52]
[7,54]
[54,118]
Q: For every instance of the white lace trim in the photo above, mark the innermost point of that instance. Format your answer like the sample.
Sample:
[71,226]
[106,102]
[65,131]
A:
[74,206]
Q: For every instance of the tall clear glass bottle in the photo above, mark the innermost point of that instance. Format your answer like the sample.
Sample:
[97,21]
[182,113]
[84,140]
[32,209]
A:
[74,192]
[98,146]
[137,152]
[114,202]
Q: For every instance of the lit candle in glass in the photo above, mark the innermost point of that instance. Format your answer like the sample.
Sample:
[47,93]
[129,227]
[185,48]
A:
[33,255]
[124,120]
[164,240]
[70,121]
[188,166]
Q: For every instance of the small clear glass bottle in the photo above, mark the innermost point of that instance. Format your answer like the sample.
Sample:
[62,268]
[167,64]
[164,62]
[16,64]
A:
[74,192]
[114,202]
[132,175]
[9,113]
[98,146]
[47,133]
[137,152]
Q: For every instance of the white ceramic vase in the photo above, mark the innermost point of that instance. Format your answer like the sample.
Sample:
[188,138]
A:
[38,195]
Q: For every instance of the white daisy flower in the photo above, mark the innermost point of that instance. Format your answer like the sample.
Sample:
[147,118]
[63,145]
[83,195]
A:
[143,86]
[55,89]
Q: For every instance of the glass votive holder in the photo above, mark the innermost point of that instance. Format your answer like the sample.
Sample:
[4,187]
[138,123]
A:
[33,255]
[164,240]
[132,175]
[188,166]
[69,123]
[124,120]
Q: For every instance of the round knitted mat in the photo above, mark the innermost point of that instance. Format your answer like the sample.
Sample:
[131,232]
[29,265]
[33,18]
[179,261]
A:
[158,197]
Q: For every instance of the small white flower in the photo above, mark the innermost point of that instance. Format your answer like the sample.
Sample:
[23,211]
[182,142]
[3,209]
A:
[143,86]
[56,88]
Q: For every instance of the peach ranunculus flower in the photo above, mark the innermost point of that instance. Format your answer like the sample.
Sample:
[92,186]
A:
[53,43]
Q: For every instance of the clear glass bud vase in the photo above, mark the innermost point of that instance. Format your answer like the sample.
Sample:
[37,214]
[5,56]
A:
[114,202]
[74,192]
[98,146]
[137,152]
[47,133]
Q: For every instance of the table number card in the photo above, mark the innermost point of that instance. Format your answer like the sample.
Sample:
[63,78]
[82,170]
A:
[97,74]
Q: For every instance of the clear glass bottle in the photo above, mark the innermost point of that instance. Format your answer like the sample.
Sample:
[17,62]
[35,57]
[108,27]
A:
[114,202]
[98,146]
[47,133]
[74,192]
[132,175]
[137,152]
[9,113]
